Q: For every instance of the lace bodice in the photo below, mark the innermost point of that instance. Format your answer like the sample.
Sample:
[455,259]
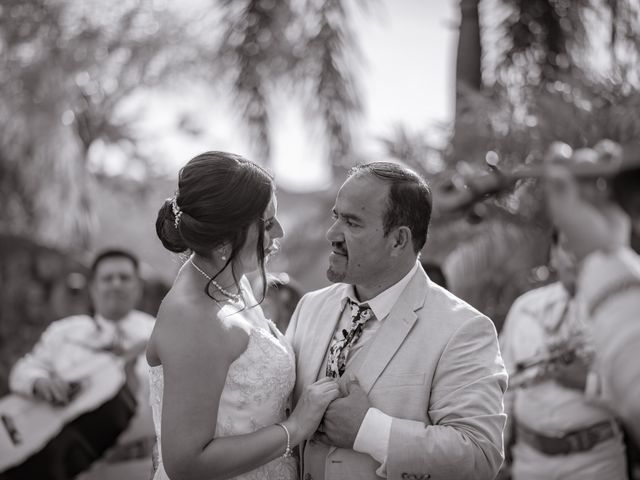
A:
[255,394]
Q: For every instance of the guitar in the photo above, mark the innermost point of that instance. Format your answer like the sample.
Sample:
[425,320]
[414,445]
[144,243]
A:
[29,424]
[535,370]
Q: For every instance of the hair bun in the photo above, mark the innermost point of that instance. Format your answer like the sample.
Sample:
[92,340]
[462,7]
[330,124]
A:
[166,229]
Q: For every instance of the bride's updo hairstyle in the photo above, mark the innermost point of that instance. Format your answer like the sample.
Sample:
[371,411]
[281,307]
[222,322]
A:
[220,195]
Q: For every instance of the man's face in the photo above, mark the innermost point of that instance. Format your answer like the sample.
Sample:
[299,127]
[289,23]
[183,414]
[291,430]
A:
[361,253]
[115,288]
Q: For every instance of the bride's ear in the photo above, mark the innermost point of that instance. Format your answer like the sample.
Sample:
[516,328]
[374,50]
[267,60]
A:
[223,252]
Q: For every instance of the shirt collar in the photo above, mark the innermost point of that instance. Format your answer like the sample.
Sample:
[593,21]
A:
[382,303]
[101,321]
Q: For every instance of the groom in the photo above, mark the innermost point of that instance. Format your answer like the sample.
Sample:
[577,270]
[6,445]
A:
[420,369]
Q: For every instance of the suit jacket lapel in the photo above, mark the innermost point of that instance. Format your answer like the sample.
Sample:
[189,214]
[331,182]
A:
[393,331]
[322,335]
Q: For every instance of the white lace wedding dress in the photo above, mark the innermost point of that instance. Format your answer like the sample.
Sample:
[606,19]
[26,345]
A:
[255,394]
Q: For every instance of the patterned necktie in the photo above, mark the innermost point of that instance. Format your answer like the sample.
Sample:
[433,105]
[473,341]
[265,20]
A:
[340,347]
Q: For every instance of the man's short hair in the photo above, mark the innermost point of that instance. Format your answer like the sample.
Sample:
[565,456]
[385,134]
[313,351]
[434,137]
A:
[113,253]
[409,202]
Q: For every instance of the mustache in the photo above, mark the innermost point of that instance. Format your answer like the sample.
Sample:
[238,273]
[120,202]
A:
[338,247]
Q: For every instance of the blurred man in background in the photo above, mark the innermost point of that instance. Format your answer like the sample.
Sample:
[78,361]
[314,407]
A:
[554,429]
[98,356]
[608,284]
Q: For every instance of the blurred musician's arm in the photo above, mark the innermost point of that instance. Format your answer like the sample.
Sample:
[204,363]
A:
[36,366]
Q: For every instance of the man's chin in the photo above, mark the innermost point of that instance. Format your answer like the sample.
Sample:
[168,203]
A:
[335,277]
[115,314]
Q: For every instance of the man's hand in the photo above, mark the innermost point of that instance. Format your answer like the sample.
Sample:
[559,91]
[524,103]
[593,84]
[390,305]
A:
[343,417]
[572,375]
[53,390]
[131,353]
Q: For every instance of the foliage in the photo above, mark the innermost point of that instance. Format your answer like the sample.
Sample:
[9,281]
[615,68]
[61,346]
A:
[36,290]
[65,69]
[544,35]
[304,47]
[69,67]
[542,92]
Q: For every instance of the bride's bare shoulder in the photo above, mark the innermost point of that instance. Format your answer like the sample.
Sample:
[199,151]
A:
[190,321]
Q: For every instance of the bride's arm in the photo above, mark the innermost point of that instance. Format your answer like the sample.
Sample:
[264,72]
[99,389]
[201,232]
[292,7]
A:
[196,354]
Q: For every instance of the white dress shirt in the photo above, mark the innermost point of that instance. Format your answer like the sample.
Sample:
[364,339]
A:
[536,320]
[68,342]
[609,288]
[374,433]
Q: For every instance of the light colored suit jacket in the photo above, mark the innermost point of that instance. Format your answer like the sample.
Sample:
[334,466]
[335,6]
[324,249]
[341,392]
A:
[433,365]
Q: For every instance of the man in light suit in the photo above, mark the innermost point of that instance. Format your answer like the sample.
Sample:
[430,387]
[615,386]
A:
[421,371]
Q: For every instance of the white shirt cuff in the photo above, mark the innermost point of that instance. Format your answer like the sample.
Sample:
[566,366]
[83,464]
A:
[373,437]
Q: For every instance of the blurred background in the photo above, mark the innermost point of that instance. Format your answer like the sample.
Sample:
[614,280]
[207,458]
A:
[100,106]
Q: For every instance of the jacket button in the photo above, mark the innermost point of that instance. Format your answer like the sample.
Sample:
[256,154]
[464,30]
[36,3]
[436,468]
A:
[308,477]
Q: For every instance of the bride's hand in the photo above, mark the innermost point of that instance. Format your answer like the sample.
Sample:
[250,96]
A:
[313,402]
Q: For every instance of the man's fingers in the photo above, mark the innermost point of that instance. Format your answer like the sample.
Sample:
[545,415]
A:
[325,380]
[353,382]
[45,394]
[345,384]
[60,391]
[328,386]
[334,393]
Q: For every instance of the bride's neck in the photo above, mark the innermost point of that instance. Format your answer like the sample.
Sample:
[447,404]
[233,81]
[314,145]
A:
[214,269]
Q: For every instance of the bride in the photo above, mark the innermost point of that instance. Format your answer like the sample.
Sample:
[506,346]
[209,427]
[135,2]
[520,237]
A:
[220,372]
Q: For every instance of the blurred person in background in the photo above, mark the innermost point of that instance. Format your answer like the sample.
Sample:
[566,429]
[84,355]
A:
[554,430]
[96,356]
[608,284]
[282,296]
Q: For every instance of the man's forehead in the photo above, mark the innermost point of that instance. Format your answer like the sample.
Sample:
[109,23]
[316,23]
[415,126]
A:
[114,264]
[362,194]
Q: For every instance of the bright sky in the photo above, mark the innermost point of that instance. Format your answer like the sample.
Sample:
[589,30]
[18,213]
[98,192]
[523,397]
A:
[409,63]
[406,78]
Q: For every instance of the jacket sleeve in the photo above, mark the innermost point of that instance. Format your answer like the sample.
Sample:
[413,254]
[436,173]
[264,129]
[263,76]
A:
[466,411]
[291,333]
[609,288]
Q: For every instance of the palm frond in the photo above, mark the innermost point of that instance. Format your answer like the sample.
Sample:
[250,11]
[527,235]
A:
[255,52]
[65,67]
[494,266]
[327,69]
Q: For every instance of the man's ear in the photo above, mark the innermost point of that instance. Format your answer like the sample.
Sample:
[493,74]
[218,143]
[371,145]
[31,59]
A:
[401,239]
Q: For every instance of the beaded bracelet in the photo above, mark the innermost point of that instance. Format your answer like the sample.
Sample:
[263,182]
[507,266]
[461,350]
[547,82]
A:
[287,451]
